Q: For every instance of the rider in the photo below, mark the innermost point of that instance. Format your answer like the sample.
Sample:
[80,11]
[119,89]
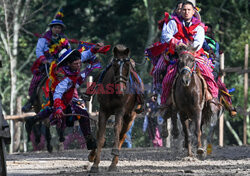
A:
[47,49]
[65,95]
[211,46]
[179,32]
[161,64]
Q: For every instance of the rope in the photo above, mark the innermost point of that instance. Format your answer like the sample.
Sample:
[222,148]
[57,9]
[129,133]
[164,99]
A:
[66,115]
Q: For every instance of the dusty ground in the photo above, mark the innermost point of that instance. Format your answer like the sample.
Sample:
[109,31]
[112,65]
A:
[139,161]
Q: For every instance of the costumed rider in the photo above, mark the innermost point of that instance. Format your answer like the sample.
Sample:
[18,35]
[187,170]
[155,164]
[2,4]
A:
[159,62]
[180,32]
[212,49]
[67,78]
[47,49]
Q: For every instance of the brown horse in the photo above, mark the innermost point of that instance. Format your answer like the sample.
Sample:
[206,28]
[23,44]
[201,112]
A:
[118,101]
[188,95]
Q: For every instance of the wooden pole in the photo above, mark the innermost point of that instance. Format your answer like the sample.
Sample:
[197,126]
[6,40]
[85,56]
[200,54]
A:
[90,80]
[245,96]
[221,120]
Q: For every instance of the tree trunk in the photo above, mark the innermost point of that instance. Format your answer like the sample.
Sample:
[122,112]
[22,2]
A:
[17,127]
[152,30]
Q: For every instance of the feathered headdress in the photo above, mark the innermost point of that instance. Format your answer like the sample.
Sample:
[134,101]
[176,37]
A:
[58,19]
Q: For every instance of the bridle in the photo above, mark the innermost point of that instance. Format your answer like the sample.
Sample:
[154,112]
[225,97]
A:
[121,78]
[187,68]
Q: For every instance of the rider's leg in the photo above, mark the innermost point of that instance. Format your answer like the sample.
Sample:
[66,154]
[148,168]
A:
[159,69]
[32,92]
[167,85]
[84,123]
[212,87]
[226,96]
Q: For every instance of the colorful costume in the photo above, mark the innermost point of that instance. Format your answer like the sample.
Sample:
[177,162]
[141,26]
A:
[211,45]
[158,59]
[177,31]
[47,48]
[65,96]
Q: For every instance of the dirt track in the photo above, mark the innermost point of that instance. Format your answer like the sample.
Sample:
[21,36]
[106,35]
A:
[138,161]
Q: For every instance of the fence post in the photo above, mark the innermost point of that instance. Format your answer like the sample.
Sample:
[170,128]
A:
[245,95]
[89,104]
[221,120]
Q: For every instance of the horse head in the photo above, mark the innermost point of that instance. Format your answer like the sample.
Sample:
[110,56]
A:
[121,66]
[186,64]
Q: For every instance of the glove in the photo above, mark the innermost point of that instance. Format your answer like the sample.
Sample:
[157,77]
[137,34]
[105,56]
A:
[59,113]
[58,103]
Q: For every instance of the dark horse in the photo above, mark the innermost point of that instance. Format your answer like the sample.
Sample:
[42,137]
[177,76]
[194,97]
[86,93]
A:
[189,97]
[42,96]
[119,102]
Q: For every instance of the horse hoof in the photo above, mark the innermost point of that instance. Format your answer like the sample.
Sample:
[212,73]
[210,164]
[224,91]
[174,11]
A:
[115,152]
[91,156]
[200,151]
[112,168]
[61,146]
[94,169]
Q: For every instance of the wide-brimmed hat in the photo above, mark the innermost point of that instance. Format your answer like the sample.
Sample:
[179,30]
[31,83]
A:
[58,19]
[65,53]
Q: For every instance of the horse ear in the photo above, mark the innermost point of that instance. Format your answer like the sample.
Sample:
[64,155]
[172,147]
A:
[180,48]
[115,51]
[126,51]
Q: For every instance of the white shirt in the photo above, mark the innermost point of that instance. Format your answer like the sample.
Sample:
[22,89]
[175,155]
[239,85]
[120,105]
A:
[170,29]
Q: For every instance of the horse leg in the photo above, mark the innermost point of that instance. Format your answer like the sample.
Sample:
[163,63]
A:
[37,133]
[185,126]
[48,137]
[127,123]
[175,130]
[96,153]
[117,140]
[198,132]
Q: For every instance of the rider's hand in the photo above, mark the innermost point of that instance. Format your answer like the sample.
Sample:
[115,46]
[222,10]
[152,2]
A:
[182,44]
[98,46]
[59,113]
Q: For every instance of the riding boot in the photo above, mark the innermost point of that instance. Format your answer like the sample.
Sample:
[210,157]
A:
[86,130]
[232,110]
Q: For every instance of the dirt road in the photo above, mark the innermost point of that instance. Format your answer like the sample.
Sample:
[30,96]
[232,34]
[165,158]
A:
[139,161]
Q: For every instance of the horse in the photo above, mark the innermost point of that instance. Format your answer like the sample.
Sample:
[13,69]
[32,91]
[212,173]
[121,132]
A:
[189,97]
[42,96]
[119,102]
